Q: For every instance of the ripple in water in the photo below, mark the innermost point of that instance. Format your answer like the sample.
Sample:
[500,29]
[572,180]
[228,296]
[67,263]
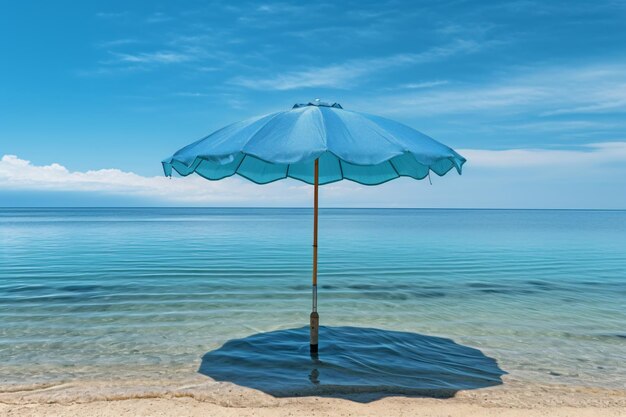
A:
[352,361]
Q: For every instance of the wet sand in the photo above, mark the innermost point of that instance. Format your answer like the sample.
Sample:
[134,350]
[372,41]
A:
[199,397]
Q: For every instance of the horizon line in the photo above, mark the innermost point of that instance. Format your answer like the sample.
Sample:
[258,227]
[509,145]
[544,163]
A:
[310,208]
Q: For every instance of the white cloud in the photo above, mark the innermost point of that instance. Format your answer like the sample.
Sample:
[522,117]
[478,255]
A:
[20,174]
[595,154]
[587,176]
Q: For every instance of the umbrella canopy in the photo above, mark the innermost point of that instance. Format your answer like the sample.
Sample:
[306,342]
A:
[360,147]
[317,143]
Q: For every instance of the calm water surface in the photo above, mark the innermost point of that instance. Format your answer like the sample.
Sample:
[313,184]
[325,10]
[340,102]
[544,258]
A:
[139,293]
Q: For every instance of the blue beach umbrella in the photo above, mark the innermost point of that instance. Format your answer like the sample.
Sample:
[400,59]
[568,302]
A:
[318,143]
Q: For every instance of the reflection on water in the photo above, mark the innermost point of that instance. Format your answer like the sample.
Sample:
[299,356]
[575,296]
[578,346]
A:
[352,360]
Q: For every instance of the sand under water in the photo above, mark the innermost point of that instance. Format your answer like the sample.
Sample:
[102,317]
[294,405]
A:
[200,311]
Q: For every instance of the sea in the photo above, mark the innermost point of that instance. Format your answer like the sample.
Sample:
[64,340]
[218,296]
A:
[145,293]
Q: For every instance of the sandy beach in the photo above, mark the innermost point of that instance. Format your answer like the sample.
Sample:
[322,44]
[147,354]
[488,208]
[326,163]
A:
[201,398]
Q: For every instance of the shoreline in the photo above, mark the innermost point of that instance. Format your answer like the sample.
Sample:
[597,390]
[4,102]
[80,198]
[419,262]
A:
[199,396]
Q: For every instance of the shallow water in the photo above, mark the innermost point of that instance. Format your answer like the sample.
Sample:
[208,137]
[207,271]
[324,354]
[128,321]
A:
[142,293]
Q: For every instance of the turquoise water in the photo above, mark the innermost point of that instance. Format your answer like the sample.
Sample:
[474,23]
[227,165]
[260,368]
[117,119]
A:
[144,293]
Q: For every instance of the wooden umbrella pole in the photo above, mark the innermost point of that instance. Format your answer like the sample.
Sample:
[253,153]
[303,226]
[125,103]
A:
[315,318]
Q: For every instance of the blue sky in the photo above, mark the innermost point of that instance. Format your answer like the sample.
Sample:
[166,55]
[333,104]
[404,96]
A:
[94,94]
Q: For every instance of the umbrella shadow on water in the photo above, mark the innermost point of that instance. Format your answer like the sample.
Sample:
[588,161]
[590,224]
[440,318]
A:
[360,364]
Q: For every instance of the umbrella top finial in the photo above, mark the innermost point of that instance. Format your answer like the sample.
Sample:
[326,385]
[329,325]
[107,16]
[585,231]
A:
[317,103]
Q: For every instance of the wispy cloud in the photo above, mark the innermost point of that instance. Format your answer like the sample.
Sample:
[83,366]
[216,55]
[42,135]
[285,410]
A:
[345,74]
[336,76]
[117,42]
[110,70]
[190,94]
[613,101]
[158,17]
[112,15]
[420,85]
[282,8]
[538,90]
[121,63]
[273,14]
[158,57]
[188,42]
